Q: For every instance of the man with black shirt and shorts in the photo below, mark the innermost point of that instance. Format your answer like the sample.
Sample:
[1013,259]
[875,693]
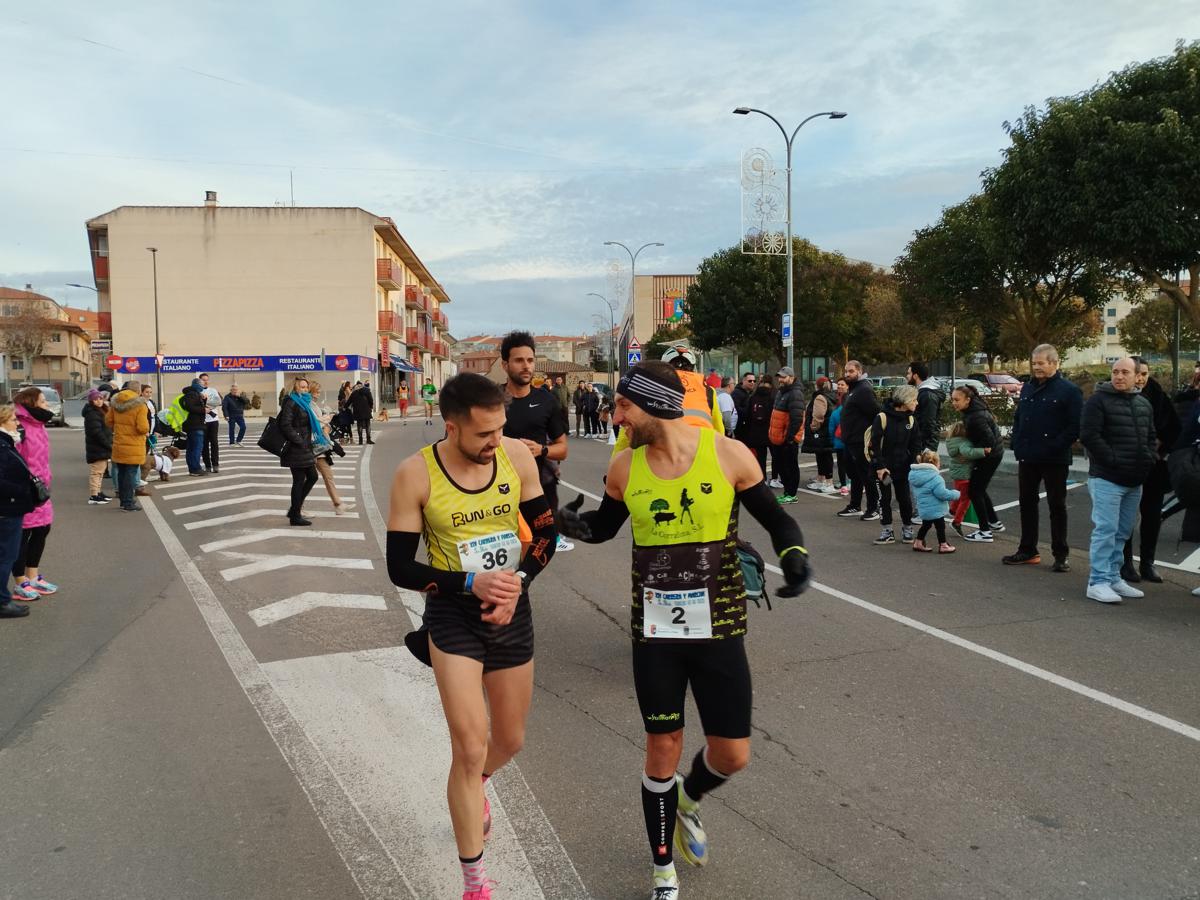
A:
[534,417]
[470,496]
[681,486]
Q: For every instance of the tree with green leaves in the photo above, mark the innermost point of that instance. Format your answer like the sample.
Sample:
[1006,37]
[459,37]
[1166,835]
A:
[1150,328]
[975,269]
[1113,174]
[738,301]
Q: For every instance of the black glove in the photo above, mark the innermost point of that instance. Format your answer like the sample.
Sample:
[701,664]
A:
[796,572]
[570,523]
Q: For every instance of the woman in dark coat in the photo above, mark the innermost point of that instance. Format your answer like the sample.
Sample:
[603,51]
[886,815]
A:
[982,432]
[296,423]
[1167,429]
[756,432]
[15,502]
[97,446]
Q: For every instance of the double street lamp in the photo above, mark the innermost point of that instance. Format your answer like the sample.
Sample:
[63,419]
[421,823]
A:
[157,341]
[612,352]
[788,139]
[632,265]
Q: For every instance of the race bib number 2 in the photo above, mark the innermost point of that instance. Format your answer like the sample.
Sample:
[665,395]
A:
[676,614]
[501,550]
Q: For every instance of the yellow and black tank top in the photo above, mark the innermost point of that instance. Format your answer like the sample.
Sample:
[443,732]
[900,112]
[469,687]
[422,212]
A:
[472,531]
[687,579]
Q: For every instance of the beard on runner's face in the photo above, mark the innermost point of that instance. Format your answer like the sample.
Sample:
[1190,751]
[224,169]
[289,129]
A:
[478,450]
[644,433]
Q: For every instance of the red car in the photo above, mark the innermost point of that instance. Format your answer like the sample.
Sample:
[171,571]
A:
[1000,381]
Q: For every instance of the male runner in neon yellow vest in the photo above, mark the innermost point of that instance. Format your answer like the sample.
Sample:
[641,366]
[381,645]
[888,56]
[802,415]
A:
[681,487]
[467,495]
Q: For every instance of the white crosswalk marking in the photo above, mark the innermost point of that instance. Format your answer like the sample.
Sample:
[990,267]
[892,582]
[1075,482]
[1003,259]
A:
[267,562]
[293,606]
[251,498]
[245,515]
[241,481]
[252,537]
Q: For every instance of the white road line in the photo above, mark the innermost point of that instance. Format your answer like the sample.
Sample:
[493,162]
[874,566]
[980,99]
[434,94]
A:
[301,603]
[1124,706]
[251,537]
[223,489]
[514,802]
[240,479]
[374,869]
[234,501]
[269,562]
[261,514]
[1041,496]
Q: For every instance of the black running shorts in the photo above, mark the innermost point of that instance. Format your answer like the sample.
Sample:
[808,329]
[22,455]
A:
[456,627]
[718,672]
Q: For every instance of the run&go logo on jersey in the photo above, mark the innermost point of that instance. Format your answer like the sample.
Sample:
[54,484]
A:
[458,519]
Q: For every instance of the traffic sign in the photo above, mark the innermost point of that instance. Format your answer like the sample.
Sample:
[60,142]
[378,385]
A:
[102,346]
[158,360]
[635,355]
[634,345]
[786,329]
[114,362]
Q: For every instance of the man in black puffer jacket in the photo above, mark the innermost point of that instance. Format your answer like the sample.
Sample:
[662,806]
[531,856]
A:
[1157,483]
[930,398]
[859,409]
[1117,428]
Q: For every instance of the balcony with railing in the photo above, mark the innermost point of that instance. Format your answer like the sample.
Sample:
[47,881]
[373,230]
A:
[440,320]
[389,274]
[391,322]
[440,349]
[414,299]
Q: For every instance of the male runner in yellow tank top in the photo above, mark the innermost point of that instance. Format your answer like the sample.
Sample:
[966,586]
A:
[681,487]
[466,496]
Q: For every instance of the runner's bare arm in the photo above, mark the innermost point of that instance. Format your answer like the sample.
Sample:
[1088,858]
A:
[741,469]
[535,510]
[599,525]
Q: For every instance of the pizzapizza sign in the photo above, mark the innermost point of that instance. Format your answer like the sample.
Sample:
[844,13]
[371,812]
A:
[239,362]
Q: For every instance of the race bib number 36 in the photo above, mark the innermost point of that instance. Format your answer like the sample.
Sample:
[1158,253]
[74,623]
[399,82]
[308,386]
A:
[676,614]
[501,550]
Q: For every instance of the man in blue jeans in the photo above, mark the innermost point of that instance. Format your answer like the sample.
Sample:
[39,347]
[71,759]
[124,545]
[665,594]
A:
[193,404]
[1117,428]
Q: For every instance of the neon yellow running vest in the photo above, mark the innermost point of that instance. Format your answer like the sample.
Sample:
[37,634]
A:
[472,531]
[687,579]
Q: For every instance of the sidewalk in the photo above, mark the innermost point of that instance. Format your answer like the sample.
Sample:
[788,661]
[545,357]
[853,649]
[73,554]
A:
[1008,464]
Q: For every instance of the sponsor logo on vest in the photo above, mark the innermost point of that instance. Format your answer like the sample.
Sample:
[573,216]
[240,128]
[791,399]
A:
[502,488]
[478,515]
[706,487]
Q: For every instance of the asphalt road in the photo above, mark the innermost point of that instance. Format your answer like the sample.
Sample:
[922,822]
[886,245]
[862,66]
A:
[183,720]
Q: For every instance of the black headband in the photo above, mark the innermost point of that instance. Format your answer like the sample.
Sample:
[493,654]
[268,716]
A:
[656,396]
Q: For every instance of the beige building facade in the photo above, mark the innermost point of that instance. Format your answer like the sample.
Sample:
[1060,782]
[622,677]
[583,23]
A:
[256,295]
[31,321]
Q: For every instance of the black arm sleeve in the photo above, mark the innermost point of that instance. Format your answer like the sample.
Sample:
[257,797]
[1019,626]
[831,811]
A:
[605,522]
[406,572]
[540,518]
[761,504]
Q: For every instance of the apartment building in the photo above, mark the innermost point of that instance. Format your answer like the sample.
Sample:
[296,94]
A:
[41,343]
[258,294]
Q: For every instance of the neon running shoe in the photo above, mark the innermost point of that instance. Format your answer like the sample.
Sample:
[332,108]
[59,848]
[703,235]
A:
[25,591]
[690,839]
[484,892]
[42,586]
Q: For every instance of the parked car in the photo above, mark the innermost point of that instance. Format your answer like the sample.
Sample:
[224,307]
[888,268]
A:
[603,388]
[53,400]
[1000,381]
[943,381]
[886,381]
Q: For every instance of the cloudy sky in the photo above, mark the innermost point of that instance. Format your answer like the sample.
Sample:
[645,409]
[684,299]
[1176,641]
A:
[509,140]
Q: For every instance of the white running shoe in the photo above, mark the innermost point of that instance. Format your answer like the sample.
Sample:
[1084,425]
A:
[774,483]
[1103,593]
[563,545]
[665,888]
[1122,589]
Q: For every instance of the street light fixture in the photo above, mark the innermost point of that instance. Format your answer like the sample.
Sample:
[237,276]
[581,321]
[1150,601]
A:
[632,265]
[157,341]
[788,139]
[612,351]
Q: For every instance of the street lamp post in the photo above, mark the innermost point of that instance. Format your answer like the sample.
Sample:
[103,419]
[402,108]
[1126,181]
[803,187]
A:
[632,265]
[88,287]
[157,341]
[612,351]
[788,140]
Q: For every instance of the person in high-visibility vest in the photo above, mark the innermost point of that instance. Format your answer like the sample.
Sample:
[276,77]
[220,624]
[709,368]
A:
[700,407]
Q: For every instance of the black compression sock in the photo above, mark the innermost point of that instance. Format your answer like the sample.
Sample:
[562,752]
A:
[703,778]
[659,803]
